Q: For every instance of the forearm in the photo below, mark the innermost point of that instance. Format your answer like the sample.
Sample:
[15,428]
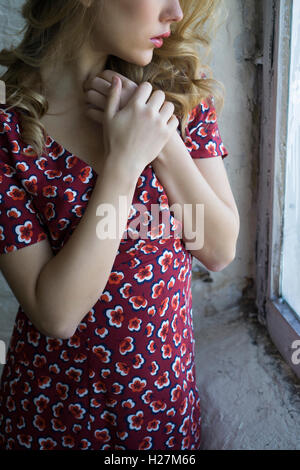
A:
[72,282]
[185,185]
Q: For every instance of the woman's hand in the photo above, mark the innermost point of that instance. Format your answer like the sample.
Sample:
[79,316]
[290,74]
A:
[97,90]
[137,133]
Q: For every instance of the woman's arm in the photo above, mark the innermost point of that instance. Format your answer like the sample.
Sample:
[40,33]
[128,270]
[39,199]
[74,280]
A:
[72,282]
[185,184]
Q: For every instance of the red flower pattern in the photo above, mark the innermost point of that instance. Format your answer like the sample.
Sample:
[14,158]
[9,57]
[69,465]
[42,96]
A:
[126,378]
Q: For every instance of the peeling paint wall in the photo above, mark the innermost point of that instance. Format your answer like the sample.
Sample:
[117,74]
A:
[236,61]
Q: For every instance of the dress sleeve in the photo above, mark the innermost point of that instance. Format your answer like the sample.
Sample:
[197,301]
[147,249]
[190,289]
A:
[203,138]
[20,224]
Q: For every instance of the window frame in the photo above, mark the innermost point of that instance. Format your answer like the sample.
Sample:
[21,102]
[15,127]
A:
[279,318]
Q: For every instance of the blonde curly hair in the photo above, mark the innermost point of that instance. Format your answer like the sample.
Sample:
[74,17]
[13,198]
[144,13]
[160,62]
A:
[55,30]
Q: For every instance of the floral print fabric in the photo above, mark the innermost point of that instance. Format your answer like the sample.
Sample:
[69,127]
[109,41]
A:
[126,378]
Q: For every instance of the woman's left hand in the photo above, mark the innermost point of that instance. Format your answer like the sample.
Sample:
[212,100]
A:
[97,90]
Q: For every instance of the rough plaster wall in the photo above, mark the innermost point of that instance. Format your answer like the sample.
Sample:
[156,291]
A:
[237,44]
[248,395]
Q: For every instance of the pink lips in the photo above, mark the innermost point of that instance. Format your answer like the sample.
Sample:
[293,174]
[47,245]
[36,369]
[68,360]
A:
[157,42]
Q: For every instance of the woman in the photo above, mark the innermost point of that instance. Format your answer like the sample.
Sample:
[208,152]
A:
[102,352]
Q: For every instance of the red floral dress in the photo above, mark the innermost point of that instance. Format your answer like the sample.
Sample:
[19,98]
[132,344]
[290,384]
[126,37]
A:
[126,378]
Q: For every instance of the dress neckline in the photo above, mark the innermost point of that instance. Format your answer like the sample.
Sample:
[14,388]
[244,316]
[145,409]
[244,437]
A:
[79,160]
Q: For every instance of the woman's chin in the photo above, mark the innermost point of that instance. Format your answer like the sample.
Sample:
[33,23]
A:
[142,60]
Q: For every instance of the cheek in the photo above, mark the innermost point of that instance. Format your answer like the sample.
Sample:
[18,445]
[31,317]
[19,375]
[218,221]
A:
[138,13]
[125,26]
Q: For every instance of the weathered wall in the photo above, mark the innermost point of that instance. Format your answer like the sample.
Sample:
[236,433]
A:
[237,43]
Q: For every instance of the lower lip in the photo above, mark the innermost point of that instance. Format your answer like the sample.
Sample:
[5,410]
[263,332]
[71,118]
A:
[157,42]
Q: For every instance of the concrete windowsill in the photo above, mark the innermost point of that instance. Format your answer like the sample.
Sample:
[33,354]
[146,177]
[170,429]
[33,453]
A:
[249,396]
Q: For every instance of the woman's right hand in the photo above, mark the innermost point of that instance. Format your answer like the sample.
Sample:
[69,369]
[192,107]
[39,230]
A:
[136,134]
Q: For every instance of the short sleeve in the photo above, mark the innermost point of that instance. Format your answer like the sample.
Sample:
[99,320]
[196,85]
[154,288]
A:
[20,224]
[203,138]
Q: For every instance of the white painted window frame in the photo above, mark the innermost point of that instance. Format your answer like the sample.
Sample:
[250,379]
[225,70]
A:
[281,321]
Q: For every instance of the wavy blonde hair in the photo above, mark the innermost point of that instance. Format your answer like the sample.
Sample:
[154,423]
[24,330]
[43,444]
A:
[55,30]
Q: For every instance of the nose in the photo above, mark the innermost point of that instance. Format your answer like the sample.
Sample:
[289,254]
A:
[173,11]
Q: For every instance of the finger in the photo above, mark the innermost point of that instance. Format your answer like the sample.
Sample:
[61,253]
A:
[126,82]
[167,110]
[114,97]
[103,81]
[97,84]
[96,99]
[95,114]
[157,99]
[108,76]
[142,93]
[173,123]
